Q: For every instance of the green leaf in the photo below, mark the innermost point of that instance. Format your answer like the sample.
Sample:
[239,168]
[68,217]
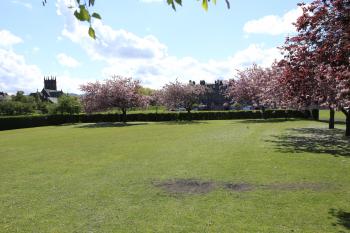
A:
[96,15]
[77,15]
[84,13]
[171,2]
[228,4]
[91,2]
[205,5]
[179,2]
[92,33]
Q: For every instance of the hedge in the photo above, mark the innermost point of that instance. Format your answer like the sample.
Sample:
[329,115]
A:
[17,122]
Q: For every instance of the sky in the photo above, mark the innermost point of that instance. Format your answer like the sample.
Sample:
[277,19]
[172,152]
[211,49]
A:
[143,39]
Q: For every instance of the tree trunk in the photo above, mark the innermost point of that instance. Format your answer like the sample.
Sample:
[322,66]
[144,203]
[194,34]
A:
[347,122]
[286,114]
[157,113]
[315,114]
[189,117]
[347,130]
[124,115]
[263,112]
[331,118]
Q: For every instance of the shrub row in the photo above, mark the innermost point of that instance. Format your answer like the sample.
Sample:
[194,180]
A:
[46,120]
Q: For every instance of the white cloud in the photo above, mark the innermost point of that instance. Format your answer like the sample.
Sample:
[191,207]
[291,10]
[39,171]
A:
[274,24]
[147,59]
[7,39]
[157,72]
[35,49]
[110,43]
[69,84]
[23,3]
[67,61]
[256,53]
[16,74]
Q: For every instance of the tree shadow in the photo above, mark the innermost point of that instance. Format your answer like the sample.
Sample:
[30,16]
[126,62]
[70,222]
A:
[313,140]
[108,124]
[343,217]
[335,122]
[270,120]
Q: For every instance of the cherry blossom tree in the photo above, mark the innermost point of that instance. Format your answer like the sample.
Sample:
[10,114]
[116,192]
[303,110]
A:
[178,95]
[246,89]
[272,91]
[156,99]
[300,85]
[261,87]
[118,92]
[251,86]
[316,60]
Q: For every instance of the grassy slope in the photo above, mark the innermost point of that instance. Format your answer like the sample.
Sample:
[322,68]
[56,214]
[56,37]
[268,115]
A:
[73,179]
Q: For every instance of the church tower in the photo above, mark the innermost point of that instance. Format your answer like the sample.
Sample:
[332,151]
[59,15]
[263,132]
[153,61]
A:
[50,83]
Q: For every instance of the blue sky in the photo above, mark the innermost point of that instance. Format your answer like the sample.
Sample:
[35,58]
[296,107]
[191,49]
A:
[144,39]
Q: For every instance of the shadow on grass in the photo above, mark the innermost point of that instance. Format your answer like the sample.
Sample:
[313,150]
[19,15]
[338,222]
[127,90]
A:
[313,140]
[335,122]
[181,122]
[275,120]
[343,218]
[108,124]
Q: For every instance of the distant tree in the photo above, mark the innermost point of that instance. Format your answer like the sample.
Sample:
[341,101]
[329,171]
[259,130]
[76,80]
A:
[18,104]
[67,104]
[237,106]
[156,99]
[92,99]
[178,95]
[260,87]
[249,87]
[10,107]
[20,97]
[272,91]
[118,92]
[44,107]
[146,91]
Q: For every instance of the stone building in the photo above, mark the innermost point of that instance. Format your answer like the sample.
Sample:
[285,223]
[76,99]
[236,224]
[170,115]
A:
[4,96]
[215,98]
[49,92]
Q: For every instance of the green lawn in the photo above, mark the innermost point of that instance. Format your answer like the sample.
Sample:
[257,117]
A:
[286,176]
[339,116]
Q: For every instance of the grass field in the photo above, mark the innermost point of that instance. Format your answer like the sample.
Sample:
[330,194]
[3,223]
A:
[338,117]
[213,176]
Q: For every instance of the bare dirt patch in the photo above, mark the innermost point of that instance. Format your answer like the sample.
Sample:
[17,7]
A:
[239,187]
[194,186]
[186,186]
